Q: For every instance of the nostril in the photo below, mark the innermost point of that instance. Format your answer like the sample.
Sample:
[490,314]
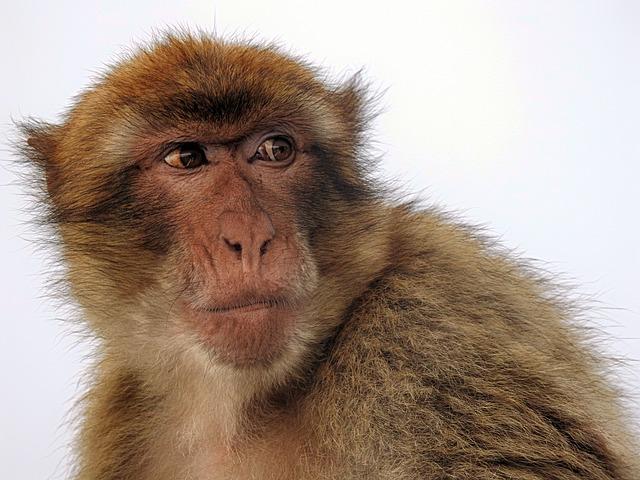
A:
[235,246]
[264,247]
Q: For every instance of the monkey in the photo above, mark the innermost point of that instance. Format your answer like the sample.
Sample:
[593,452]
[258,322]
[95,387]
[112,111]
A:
[265,308]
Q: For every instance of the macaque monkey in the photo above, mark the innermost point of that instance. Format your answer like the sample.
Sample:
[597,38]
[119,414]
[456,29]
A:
[264,309]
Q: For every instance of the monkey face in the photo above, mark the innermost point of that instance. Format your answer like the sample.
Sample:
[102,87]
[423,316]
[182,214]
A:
[241,258]
[202,191]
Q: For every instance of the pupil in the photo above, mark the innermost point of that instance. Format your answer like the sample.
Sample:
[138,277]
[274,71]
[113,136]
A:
[186,158]
[280,150]
[190,157]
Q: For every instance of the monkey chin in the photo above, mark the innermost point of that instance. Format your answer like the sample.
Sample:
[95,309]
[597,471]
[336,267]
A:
[249,335]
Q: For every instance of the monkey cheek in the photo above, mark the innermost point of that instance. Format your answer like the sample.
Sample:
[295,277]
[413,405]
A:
[244,337]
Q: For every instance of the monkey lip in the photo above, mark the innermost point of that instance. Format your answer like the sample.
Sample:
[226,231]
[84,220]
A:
[247,330]
[244,307]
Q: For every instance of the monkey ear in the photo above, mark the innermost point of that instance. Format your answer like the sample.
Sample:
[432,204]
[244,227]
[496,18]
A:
[355,104]
[39,144]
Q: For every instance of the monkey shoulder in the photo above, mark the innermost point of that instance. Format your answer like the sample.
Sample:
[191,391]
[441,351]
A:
[458,359]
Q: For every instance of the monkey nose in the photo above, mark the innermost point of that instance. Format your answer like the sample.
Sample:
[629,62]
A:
[247,237]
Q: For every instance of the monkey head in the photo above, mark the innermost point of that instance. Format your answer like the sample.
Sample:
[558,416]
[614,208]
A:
[203,191]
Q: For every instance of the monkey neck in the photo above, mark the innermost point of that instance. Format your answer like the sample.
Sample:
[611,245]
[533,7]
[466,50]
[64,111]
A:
[358,249]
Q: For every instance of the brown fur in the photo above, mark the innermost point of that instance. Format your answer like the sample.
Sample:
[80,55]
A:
[427,352]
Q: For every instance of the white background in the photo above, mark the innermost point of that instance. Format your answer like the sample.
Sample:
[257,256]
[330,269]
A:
[524,116]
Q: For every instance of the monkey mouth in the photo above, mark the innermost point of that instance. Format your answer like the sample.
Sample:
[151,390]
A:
[247,330]
[246,305]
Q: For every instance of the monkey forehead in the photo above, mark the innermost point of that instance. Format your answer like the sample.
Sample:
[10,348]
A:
[184,86]
[201,79]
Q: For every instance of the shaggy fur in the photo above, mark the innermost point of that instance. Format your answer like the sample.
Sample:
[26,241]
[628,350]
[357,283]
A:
[424,351]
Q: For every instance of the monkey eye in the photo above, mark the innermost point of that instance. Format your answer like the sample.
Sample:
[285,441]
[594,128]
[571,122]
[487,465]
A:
[186,155]
[276,151]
